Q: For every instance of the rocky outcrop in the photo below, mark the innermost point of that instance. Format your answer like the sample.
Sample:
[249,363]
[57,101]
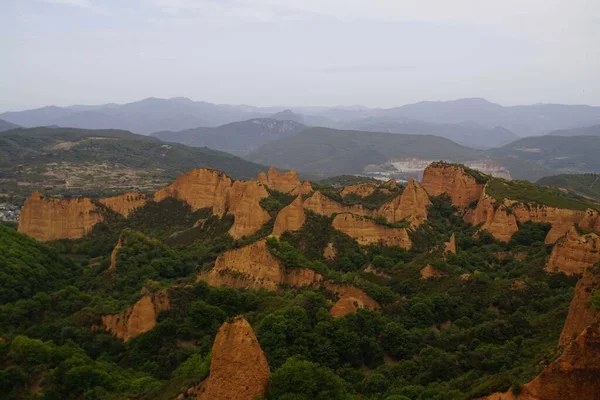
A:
[391,184]
[47,219]
[330,252]
[139,318]
[573,376]
[560,219]
[367,231]
[304,188]
[496,219]
[125,204]
[324,205]
[372,270]
[243,202]
[429,271]
[275,180]
[200,188]
[290,218]
[411,206]
[360,189]
[238,367]
[113,255]
[450,246]
[581,315]
[351,299]
[462,188]
[574,253]
[254,267]
[590,220]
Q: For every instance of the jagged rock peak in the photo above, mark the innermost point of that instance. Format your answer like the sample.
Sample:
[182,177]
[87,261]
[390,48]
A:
[290,218]
[450,246]
[581,315]
[324,205]
[462,187]
[139,318]
[411,206]
[574,252]
[282,182]
[126,203]
[238,368]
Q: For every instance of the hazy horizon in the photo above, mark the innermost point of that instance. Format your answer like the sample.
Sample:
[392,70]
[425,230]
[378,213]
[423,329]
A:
[379,53]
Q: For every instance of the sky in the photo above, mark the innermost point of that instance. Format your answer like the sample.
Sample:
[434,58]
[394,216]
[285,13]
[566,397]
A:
[378,53]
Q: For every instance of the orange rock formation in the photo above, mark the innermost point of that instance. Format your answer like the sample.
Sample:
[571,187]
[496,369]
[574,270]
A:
[254,266]
[330,252]
[450,246]
[573,376]
[48,219]
[367,231]
[590,220]
[496,219]
[574,253]
[113,255]
[290,218]
[561,219]
[139,318]
[581,315]
[285,182]
[304,188]
[124,204]
[351,298]
[321,204]
[243,202]
[429,271]
[462,187]
[238,367]
[410,206]
[200,188]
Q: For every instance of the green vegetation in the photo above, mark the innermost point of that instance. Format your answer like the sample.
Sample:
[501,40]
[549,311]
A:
[445,338]
[586,186]
[530,193]
[479,176]
[343,180]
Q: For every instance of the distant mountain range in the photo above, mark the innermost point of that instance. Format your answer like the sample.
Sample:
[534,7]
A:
[237,138]
[475,117]
[5,125]
[593,130]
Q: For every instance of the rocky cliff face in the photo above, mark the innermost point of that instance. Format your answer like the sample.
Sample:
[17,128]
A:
[410,206]
[561,219]
[238,368]
[429,271]
[321,204]
[48,219]
[200,188]
[351,299]
[590,220]
[243,202]
[284,183]
[462,187]
[254,266]
[574,253]
[496,219]
[450,246]
[139,318]
[580,314]
[290,218]
[360,189]
[125,204]
[304,188]
[573,376]
[367,231]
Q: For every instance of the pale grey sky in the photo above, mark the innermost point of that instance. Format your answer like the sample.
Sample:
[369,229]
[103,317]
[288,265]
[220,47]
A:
[304,52]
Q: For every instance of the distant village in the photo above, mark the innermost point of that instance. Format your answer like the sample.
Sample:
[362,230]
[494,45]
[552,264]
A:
[9,212]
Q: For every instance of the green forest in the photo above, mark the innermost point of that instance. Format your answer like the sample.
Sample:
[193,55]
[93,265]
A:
[491,323]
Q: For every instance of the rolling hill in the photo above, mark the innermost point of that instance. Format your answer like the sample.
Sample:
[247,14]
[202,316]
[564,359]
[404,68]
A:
[593,130]
[76,161]
[535,157]
[237,137]
[583,185]
[6,126]
[331,152]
